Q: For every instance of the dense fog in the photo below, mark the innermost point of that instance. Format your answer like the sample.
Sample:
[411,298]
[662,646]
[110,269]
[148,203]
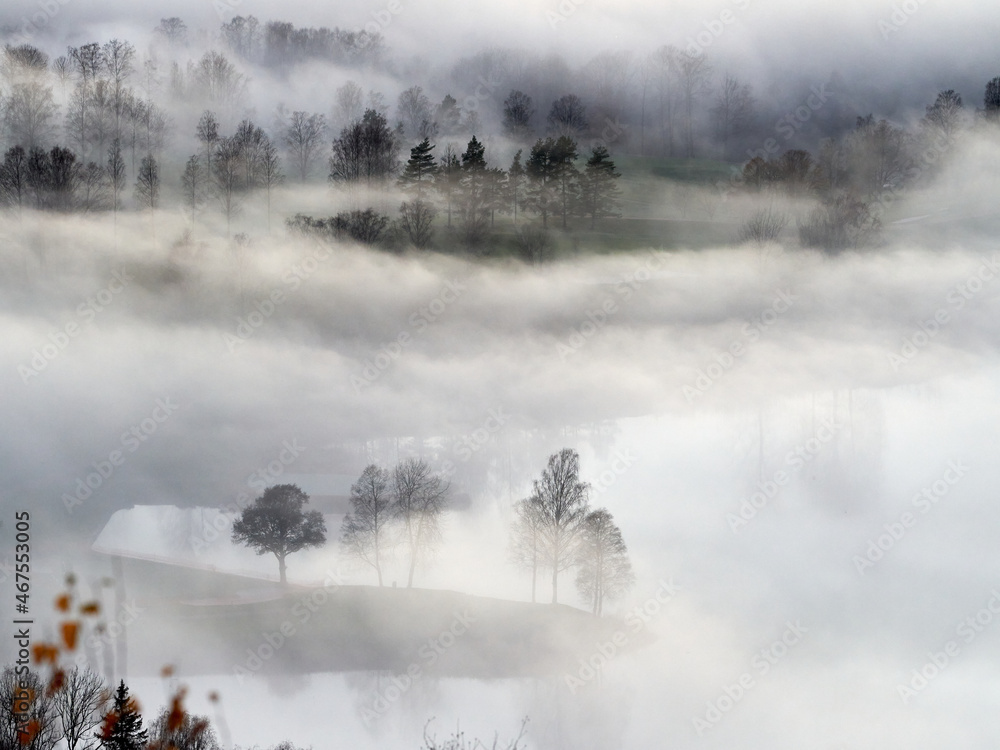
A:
[793,438]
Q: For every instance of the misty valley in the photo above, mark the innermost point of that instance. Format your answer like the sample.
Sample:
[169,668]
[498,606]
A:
[385,377]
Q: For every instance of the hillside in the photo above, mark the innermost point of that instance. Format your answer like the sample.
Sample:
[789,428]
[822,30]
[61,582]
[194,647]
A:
[352,628]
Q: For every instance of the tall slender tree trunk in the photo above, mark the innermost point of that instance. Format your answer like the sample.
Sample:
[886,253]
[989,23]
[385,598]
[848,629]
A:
[281,570]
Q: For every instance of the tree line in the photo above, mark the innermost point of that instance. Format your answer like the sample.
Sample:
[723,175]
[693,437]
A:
[464,187]
[854,178]
[553,530]
[79,711]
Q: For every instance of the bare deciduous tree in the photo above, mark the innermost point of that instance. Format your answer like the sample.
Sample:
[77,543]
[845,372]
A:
[363,534]
[693,73]
[517,113]
[147,184]
[765,225]
[349,103]
[568,116]
[733,110]
[605,571]
[418,500]
[80,706]
[170,732]
[561,500]
[116,175]
[193,184]
[226,179]
[366,151]
[417,220]
[412,109]
[303,138]
[28,111]
[269,173]
[38,709]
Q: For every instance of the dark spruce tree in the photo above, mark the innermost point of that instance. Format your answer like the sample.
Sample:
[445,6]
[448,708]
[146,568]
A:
[122,728]
[419,170]
[600,196]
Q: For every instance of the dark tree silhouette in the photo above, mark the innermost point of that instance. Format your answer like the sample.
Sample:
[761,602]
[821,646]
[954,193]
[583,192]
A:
[302,138]
[417,219]
[41,735]
[561,500]
[418,500]
[366,151]
[276,523]
[473,205]
[991,99]
[193,184]
[517,113]
[568,116]
[14,178]
[208,133]
[419,171]
[169,731]
[945,114]
[599,193]
[122,728]
[147,184]
[80,706]
[446,180]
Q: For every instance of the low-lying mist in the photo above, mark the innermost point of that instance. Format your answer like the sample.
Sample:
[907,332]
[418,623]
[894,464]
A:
[799,443]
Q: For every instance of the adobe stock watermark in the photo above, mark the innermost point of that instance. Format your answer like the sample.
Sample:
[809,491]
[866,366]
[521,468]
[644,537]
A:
[301,612]
[762,663]
[420,320]
[900,16]
[968,629]
[597,318]
[428,655]
[106,634]
[219,525]
[131,440]
[612,132]
[563,12]
[956,299]
[924,500]
[713,29]
[635,621]
[293,278]
[620,463]
[485,89]
[383,17]
[750,333]
[795,460]
[86,312]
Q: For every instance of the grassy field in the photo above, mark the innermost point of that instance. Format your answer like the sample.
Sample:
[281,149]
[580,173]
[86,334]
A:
[697,171]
